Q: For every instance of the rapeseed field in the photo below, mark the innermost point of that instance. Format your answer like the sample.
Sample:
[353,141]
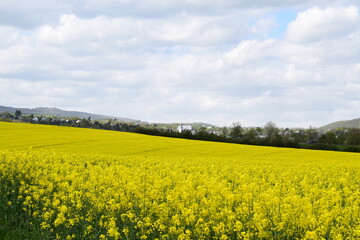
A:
[70,183]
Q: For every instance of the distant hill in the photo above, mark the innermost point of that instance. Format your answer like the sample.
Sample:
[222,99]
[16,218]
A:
[200,124]
[67,114]
[354,123]
[62,113]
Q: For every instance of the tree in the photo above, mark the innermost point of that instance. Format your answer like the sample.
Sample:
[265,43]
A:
[259,130]
[84,123]
[224,132]
[251,135]
[272,132]
[116,127]
[96,124]
[186,134]
[6,115]
[288,138]
[107,126]
[353,137]
[236,131]
[17,114]
[202,129]
[329,138]
[312,134]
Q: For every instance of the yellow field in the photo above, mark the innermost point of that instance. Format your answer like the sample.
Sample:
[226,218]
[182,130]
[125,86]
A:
[92,184]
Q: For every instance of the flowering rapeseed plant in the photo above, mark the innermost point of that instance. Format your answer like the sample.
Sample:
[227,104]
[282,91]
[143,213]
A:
[180,189]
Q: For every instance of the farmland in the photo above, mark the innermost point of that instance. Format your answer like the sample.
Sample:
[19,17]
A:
[71,183]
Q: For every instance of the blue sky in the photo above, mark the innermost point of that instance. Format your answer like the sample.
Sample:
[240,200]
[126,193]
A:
[282,18]
[295,63]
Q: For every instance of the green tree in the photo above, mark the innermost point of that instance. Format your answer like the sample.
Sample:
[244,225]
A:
[224,132]
[236,131]
[272,132]
[259,130]
[84,123]
[6,115]
[353,137]
[329,138]
[251,135]
[17,114]
[312,134]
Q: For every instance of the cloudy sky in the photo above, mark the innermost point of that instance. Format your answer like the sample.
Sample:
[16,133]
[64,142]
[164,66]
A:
[294,62]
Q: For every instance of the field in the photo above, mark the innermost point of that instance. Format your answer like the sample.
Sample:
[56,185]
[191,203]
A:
[71,183]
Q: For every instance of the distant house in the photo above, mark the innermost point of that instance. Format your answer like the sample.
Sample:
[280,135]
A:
[299,132]
[262,136]
[218,133]
[211,130]
[182,128]
[35,119]
[285,133]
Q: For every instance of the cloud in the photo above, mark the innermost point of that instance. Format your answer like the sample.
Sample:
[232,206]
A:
[323,24]
[128,34]
[185,61]
[8,35]
[249,51]
[28,15]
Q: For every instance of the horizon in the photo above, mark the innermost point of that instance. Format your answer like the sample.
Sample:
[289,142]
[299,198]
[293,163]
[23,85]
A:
[295,64]
[179,122]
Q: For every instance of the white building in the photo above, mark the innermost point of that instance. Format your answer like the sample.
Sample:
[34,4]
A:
[182,128]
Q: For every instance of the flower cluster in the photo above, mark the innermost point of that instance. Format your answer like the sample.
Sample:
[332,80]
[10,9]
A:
[267,195]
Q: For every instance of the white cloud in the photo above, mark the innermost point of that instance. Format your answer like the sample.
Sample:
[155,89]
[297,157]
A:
[40,12]
[73,31]
[249,51]
[200,62]
[8,36]
[323,24]
[29,14]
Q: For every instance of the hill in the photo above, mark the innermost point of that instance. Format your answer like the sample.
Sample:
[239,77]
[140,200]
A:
[62,113]
[67,114]
[354,123]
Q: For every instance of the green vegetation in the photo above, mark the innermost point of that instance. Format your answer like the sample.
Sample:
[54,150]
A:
[269,135]
[348,124]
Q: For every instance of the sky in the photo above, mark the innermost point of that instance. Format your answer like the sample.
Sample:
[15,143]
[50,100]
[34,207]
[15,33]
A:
[293,62]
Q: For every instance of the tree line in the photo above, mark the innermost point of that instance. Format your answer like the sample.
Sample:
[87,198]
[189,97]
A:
[268,135]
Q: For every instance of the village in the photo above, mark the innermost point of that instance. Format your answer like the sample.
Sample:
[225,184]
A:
[269,135]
